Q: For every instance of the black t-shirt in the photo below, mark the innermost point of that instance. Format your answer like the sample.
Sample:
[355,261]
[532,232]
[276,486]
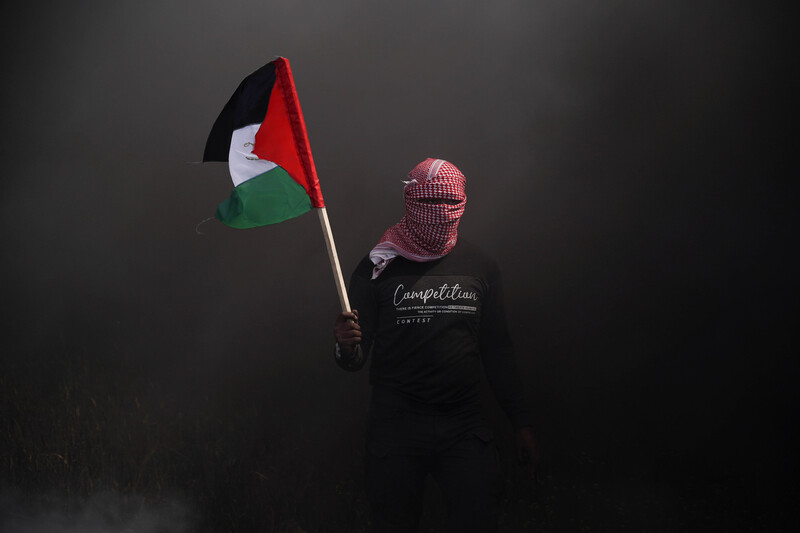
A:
[429,328]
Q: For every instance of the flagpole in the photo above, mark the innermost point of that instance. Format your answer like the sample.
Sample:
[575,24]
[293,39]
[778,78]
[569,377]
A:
[334,258]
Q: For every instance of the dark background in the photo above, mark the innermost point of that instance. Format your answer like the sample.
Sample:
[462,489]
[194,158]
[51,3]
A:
[630,165]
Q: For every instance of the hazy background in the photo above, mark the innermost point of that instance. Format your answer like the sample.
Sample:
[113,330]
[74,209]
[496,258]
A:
[629,164]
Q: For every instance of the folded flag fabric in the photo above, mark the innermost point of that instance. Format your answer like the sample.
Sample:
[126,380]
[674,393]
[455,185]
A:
[262,135]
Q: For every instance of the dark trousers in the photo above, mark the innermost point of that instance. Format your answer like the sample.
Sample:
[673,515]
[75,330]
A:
[456,448]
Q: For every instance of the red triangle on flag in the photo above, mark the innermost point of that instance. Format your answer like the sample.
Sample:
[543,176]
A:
[282,137]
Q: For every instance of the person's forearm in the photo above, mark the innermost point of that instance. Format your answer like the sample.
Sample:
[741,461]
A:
[350,358]
[507,387]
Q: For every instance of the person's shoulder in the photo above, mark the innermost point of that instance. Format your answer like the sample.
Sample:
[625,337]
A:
[467,252]
[467,249]
[364,268]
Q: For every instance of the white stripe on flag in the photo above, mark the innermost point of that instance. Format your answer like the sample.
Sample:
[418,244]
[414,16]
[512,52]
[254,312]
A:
[244,164]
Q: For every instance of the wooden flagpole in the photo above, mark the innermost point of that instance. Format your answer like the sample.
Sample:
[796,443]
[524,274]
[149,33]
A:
[311,183]
[334,258]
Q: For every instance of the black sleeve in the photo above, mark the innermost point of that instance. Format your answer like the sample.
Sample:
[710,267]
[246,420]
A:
[362,299]
[497,352]
[353,363]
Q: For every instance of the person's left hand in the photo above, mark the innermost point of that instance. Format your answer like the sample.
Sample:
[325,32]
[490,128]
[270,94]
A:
[528,450]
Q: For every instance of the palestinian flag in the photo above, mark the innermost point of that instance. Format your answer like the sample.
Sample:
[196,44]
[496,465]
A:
[261,134]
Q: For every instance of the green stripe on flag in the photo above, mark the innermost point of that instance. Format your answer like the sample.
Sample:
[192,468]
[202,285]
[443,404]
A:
[268,198]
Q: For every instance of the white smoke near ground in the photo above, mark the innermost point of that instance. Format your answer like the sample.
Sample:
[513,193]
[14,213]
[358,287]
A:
[105,512]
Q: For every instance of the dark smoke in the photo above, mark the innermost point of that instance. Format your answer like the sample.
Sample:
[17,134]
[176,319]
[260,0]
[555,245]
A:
[628,163]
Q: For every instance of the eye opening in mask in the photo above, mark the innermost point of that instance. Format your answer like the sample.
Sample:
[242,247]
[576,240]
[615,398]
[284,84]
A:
[449,201]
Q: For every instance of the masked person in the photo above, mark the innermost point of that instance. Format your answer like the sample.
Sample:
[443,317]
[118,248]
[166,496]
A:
[428,311]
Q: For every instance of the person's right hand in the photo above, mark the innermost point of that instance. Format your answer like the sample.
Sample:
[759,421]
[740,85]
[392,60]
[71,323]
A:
[347,331]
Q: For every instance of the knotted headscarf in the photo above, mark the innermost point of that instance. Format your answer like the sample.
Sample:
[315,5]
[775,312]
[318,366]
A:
[428,231]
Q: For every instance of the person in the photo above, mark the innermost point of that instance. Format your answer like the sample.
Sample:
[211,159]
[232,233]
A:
[428,312]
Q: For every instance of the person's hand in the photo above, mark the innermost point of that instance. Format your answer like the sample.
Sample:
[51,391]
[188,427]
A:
[528,450]
[347,332]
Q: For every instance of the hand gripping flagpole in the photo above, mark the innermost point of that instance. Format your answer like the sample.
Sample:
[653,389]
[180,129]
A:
[334,258]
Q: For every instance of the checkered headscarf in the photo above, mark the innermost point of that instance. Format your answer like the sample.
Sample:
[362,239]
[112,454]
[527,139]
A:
[427,231]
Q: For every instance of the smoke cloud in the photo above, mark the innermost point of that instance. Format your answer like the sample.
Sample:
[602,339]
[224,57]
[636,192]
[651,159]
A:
[628,164]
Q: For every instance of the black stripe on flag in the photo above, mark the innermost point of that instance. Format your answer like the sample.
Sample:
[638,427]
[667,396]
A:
[248,105]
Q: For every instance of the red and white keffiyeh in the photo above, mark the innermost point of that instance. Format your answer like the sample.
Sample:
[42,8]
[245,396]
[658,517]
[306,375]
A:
[428,231]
